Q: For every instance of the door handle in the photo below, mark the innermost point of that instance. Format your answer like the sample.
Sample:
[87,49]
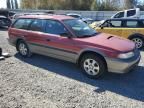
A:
[48,40]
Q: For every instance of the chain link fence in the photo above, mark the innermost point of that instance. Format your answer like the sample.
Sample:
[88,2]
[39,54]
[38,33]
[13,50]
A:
[96,15]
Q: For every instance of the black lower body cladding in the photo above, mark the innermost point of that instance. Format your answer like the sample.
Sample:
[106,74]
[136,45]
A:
[0,51]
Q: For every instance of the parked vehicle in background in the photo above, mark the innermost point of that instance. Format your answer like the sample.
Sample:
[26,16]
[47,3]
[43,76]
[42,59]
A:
[7,13]
[78,16]
[74,15]
[130,13]
[132,29]
[17,15]
[71,39]
[96,23]
[4,21]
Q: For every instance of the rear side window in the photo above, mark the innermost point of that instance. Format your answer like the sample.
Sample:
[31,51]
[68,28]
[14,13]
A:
[132,24]
[38,25]
[131,13]
[22,23]
[55,27]
[119,15]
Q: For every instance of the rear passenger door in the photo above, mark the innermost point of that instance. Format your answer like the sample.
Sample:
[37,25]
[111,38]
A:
[36,38]
[130,27]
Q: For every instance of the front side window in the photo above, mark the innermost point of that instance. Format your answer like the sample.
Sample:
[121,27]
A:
[55,27]
[119,15]
[38,25]
[112,24]
[115,24]
[80,28]
[22,24]
[105,24]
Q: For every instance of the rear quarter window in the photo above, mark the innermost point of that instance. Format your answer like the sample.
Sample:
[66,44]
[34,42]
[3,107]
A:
[22,23]
[132,24]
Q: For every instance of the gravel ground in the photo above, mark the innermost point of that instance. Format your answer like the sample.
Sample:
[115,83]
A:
[43,82]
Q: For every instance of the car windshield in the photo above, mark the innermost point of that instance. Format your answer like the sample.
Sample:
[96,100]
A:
[80,28]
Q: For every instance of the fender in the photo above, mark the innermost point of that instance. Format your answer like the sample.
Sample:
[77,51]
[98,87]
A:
[87,50]
[136,35]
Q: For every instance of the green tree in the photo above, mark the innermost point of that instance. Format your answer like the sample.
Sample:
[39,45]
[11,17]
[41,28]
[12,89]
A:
[69,4]
[105,5]
[131,4]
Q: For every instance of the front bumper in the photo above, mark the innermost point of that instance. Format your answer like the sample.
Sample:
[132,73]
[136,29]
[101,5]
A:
[123,65]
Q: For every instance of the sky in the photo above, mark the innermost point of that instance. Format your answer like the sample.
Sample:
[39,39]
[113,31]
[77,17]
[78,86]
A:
[3,3]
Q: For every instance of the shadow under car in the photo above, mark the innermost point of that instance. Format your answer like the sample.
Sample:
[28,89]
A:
[129,85]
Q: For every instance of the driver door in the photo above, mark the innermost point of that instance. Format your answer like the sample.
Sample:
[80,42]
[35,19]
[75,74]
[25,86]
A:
[59,44]
[111,27]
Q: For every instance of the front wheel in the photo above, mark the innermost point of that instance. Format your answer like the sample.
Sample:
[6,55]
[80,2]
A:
[93,66]
[139,42]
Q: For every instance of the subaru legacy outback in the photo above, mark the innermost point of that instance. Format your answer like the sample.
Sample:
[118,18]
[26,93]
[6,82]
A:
[70,39]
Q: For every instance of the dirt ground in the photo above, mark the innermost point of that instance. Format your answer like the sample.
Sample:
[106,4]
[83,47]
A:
[43,82]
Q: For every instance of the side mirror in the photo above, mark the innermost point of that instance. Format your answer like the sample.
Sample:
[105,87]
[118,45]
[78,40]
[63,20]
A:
[65,35]
[102,27]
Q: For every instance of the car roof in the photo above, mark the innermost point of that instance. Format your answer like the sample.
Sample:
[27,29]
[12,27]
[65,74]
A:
[73,14]
[125,19]
[2,16]
[50,16]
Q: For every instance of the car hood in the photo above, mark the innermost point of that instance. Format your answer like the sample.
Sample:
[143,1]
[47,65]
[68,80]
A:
[110,41]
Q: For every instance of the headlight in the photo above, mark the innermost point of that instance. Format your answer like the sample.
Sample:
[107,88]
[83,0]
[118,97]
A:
[126,55]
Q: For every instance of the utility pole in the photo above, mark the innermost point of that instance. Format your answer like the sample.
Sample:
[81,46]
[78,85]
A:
[16,4]
[8,4]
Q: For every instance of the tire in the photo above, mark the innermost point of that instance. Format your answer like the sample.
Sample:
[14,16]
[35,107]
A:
[23,49]
[139,41]
[93,66]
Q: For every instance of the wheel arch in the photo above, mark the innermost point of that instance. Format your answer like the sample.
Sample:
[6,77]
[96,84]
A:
[91,52]
[17,41]
[136,35]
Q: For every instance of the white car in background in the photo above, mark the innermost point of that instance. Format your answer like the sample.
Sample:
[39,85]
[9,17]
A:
[4,21]
[130,13]
[85,19]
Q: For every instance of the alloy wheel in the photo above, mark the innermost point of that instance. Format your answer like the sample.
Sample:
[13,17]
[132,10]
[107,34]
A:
[138,42]
[91,67]
[23,49]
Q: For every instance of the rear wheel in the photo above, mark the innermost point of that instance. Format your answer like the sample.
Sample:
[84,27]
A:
[93,66]
[23,49]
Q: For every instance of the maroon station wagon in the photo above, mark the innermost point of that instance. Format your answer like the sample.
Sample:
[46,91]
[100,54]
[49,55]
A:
[70,39]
